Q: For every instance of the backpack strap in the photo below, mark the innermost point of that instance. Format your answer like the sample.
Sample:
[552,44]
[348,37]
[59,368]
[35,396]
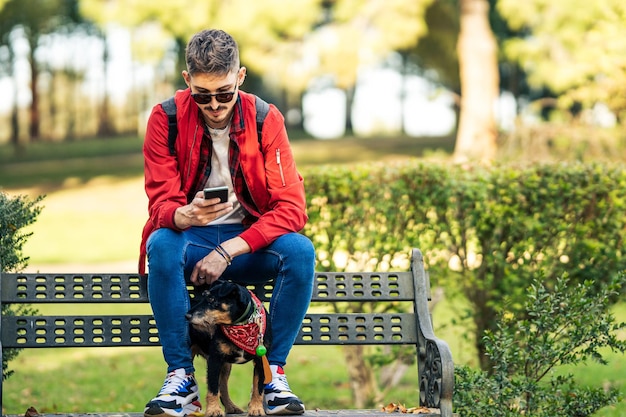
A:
[169,106]
[262,108]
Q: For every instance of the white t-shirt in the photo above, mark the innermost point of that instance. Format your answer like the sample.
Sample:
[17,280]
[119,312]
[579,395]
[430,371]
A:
[220,174]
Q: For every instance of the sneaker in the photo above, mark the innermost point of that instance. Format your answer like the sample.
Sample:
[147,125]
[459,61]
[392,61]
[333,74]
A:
[178,397]
[278,398]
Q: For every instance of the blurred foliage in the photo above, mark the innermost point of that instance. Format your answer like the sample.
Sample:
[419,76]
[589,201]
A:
[264,30]
[564,324]
[574,48]
[36,17]
[33,20]
[289,42]
[289,45]
[436,51]
[486,232]
[570,52]
[359,32]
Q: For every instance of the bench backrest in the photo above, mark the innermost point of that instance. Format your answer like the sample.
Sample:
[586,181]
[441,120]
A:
[126,329]
[322,326]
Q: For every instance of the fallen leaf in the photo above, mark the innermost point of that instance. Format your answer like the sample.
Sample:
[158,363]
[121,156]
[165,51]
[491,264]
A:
[418,410]
[390,408]
[394,408]
[31,412]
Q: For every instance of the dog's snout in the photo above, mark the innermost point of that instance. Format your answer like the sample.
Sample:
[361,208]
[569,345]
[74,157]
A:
[188,316]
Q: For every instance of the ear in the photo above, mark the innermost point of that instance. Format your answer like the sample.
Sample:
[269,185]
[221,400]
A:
[244,295]
[186,77]
[241,75]
[223,289]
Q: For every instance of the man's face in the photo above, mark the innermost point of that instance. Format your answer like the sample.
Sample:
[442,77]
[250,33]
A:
[210,90]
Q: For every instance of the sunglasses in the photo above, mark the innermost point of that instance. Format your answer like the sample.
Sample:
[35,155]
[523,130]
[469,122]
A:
[205,98]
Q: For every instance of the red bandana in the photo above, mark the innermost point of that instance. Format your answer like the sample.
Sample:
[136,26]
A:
[249,335]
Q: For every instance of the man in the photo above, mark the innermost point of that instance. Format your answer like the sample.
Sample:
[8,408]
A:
[251,237]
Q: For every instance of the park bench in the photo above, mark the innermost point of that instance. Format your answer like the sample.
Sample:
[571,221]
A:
[435,370]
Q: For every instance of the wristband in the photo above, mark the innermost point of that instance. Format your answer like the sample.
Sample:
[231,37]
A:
[229,259]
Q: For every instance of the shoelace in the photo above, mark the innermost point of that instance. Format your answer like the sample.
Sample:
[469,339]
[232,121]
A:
[172,382]
[280,383]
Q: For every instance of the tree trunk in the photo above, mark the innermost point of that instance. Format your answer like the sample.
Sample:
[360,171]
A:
[15,118]
[34,104]
[349,101]
[105,126]
[361,377]
[478,70]
[484,316]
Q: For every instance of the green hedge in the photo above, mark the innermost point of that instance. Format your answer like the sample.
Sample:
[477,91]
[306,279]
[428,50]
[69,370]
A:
[485,231]
[15,214]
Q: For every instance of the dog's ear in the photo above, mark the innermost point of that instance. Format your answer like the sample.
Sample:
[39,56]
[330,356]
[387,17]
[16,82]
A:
[232,291]
[244,296]
[223,289]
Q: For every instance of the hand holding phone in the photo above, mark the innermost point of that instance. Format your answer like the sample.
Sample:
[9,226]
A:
[216,192]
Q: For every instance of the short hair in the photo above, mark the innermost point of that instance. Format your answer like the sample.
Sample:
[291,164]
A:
[212,51]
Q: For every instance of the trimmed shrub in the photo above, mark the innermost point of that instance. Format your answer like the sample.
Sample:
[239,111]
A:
[15,214]
[486,232]
[564,325]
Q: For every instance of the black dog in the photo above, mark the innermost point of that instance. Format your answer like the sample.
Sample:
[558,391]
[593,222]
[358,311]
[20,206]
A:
[228,324]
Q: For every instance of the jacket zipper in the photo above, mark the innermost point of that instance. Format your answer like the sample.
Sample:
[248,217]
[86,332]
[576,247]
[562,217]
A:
[280,166]
[193,143]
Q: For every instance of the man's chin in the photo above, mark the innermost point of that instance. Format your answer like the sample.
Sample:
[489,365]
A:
[216,119]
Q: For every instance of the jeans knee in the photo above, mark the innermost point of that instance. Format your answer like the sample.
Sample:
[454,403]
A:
[307,250]
[163,246]
[299,248]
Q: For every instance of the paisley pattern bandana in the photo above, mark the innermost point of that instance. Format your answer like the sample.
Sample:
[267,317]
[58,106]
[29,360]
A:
[248,336]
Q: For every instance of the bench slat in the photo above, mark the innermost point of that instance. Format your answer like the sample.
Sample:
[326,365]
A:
[140,330]
[74,288]
[132,288]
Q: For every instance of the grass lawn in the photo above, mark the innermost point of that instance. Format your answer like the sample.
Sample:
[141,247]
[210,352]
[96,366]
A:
[124,379]
[94,210]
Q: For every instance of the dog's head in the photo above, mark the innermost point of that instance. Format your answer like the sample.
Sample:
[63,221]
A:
[224,302]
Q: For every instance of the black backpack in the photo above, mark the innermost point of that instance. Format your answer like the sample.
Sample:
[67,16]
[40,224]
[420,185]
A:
[169,106]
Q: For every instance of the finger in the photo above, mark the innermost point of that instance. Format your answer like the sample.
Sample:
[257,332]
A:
[214,205]
[209,214]
[212,202]
[195,276]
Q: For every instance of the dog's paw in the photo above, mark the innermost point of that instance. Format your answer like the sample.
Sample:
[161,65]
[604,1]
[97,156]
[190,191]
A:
[214,412]
[255,408]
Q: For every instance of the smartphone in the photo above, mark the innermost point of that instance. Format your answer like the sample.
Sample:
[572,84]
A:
[216,192]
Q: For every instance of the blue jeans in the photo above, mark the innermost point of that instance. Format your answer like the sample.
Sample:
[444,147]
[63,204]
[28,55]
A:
[289,261]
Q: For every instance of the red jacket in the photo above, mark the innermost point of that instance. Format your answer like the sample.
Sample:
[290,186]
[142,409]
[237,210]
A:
[272,190]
